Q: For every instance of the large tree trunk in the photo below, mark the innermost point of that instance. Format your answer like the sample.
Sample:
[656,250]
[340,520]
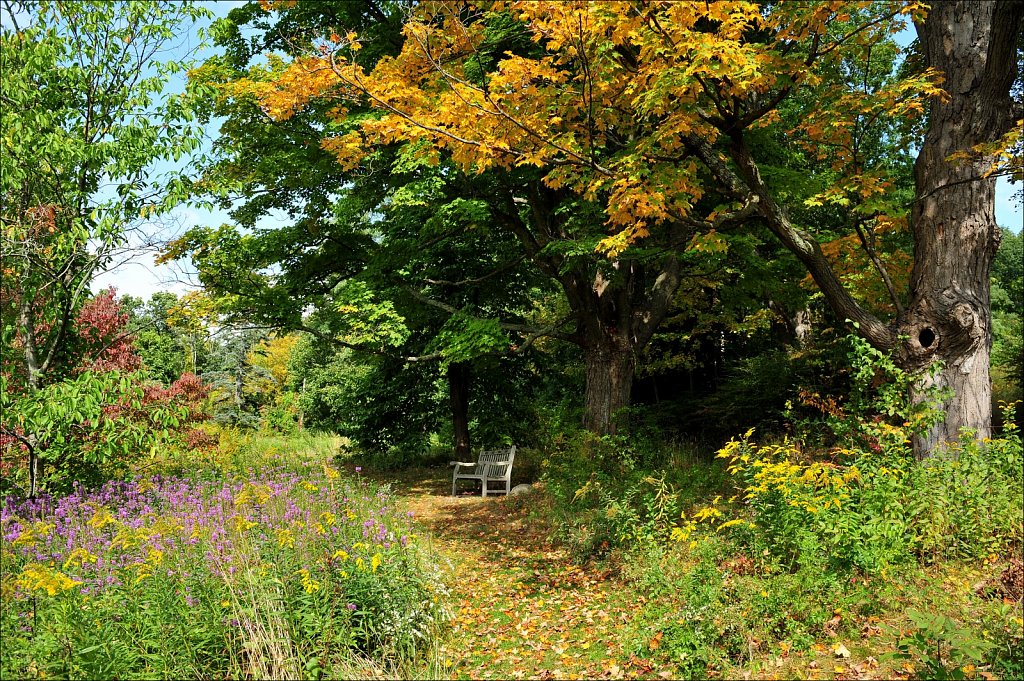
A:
[610,368]
[458,390]
[955,233]
[617,305]
[619,313]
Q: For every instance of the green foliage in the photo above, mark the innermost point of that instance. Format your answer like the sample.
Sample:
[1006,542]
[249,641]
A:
[869,503]
[941,645]
[85,123]
[326,382]
[282,416]
[1008,321]
[166,350]
[616,492]
[463,338]
[366,319]
[91,427]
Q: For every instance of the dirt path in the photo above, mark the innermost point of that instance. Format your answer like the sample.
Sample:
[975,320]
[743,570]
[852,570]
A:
[523,609]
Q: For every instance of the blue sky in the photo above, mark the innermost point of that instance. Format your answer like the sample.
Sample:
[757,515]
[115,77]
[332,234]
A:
[141,277]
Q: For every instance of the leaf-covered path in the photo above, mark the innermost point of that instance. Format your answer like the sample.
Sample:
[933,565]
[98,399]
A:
[522,608]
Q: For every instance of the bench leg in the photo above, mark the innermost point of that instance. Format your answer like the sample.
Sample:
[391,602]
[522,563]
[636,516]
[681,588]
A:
[484,482]
[453,485]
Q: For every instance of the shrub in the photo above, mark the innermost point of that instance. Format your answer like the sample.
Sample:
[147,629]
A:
[867,500]
[94,426]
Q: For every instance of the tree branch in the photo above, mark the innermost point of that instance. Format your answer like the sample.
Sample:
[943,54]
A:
[477,280]
[751,188]
[869,248]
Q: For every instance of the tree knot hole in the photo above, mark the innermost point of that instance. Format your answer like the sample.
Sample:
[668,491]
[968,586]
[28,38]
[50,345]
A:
[926,337]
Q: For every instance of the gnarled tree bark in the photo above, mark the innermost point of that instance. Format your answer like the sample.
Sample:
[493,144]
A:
[949,317]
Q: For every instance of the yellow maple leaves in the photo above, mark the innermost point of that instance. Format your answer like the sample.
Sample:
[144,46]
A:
[608,101]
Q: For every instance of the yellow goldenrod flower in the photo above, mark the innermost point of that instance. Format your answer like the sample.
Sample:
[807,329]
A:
[255,494]
[79,557]
[101,518]
[731,523]
[37,577]
[309,584]
[30,535]
[285,538]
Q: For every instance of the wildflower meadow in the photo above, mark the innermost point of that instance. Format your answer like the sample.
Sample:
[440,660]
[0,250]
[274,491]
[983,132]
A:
[276,574]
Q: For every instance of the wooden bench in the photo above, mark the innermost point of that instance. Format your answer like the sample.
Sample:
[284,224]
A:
[494,465]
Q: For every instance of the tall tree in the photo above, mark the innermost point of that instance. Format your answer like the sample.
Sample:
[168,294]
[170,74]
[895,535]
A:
[976,46]
[614,306]
[84,121]
[648,107]
[366,250]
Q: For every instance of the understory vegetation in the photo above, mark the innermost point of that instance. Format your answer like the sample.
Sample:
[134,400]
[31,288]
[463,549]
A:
[831,535]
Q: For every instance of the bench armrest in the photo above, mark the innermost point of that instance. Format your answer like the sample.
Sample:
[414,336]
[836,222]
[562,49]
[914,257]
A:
[460,463]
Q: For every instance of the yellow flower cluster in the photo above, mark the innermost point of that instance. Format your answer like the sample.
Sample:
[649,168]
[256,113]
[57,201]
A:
[145,568]
[243,524]
[681,534]
[375,561]
[38,578]
[101,518]
[253,494]
[33,533]
[774,468]
[326,520]
[309,584]
[129,538]
[79,557]
[285,538]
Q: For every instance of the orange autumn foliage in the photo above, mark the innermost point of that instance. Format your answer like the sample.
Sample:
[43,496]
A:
[611,101]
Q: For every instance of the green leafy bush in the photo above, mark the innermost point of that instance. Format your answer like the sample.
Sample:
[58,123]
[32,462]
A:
[95,425]
[866,499]
[941,645]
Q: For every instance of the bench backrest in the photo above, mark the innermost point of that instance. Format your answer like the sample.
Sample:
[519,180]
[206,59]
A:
[495,470]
